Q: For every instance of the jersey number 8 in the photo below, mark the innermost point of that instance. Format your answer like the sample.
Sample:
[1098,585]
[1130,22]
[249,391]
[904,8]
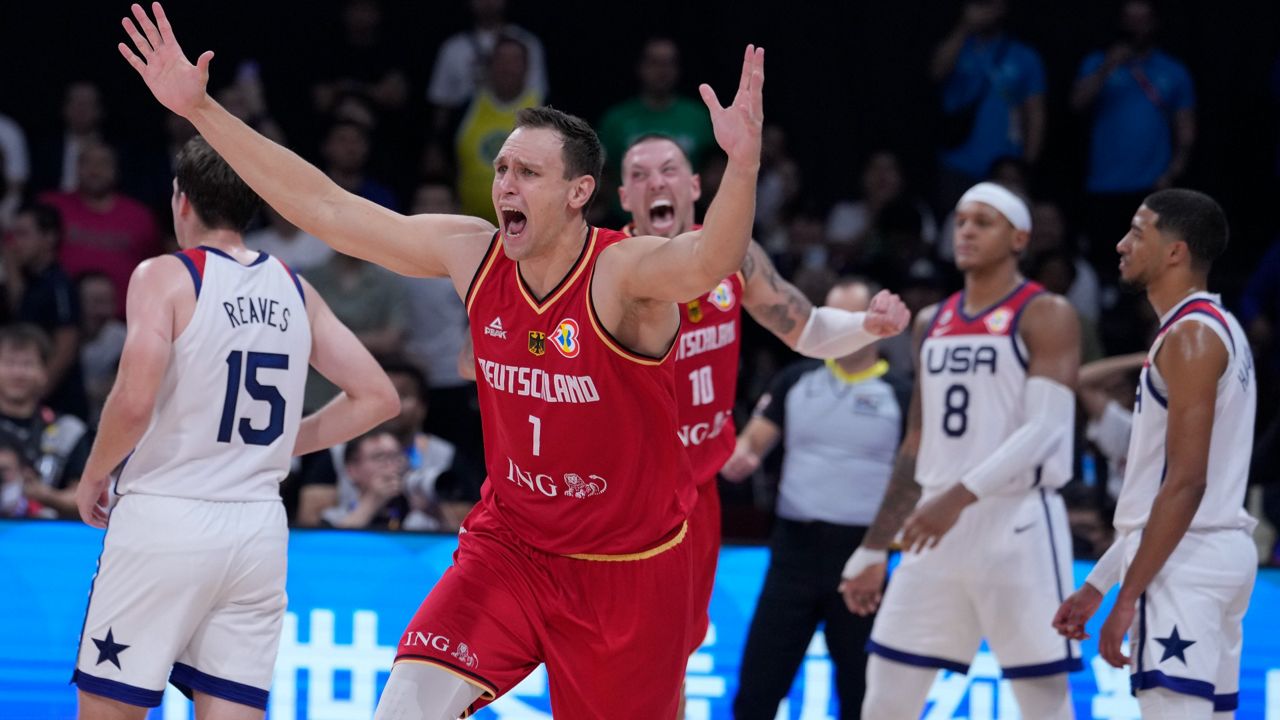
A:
[955,419]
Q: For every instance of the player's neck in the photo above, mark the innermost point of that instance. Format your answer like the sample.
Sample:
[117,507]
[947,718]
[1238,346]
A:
[545,271]
[1168,292]
[229,242]
[985,287]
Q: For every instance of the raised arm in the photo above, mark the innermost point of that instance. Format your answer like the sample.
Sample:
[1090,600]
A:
[1192,361]
[367,396]
[422,245]
[149,311]
[688,265]
[817,332]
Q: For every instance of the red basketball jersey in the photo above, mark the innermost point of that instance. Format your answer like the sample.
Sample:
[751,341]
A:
[579,434]
[707,376]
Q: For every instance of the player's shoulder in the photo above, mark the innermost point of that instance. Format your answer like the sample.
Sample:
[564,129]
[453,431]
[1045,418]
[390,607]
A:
[924,319]
[1045,307]
[161,270]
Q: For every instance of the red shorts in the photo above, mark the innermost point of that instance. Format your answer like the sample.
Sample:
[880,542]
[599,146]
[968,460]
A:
[704,544]
[612,632]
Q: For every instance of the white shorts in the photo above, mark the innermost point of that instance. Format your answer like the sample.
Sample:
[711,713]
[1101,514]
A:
[188,591]
[1188,632]
[999,574]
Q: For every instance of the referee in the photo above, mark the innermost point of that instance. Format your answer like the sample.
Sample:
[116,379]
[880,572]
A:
[840,423]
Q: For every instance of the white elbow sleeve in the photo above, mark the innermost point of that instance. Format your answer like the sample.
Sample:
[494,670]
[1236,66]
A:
[1048,412]
[833,333]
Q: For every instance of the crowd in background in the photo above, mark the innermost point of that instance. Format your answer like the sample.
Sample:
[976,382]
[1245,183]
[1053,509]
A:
[80,210]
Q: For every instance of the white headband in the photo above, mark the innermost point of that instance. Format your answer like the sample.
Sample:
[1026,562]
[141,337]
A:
[1006,203]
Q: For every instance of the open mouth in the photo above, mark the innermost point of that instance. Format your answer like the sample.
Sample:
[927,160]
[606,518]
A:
[662,216]
[513,222]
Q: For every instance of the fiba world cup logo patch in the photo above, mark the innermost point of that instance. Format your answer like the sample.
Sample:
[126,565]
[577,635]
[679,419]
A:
[722,296]
[565,338]
[998,322]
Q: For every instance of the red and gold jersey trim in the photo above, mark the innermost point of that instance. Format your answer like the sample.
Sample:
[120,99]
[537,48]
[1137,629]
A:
[491,255]
[580,265]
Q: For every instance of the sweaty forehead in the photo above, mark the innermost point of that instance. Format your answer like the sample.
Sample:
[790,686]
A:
[653,152]
[539,146]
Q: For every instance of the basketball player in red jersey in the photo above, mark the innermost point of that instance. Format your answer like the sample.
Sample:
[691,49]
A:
[659,189]
[575,555]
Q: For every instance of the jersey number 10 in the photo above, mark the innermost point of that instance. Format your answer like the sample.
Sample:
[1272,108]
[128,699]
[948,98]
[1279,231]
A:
[269,394]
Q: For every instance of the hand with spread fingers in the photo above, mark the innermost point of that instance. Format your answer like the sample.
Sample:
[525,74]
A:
[738,127]
[175,82]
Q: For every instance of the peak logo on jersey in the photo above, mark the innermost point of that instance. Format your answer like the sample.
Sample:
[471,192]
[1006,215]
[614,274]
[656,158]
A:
[537,343]
[722,296]
[565,338]
[694,308]
[576,487]
[998,321]
[494,329]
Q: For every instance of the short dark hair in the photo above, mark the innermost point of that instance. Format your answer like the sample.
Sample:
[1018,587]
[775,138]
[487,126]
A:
[353,446]
[400,366]
[220,198]
[25,336]
[646,137]
[1194,218]
[48,218]
[582,152]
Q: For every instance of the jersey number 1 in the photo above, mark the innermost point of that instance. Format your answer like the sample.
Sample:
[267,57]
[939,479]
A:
[269,394]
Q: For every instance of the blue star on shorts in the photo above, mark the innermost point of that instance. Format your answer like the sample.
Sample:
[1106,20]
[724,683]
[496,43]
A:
[1174,646]
[109,649]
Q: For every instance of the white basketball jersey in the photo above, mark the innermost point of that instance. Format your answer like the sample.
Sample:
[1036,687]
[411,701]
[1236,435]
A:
[973,374]
[229,406]
[1231,444]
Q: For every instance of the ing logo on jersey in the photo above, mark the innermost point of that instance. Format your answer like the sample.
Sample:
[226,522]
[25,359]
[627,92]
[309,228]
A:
[998,321]
[565,338]
[537,343]
[722,296]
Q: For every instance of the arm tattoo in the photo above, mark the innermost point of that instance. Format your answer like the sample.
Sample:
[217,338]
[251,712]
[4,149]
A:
[785,307]
[899,500]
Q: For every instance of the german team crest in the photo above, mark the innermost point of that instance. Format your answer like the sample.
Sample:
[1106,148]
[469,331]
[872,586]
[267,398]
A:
[565,338]
[722,296]
[998,322]
[537,343]
[694,309]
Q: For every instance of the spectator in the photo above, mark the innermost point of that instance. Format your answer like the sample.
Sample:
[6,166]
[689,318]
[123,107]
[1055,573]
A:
[435,333]
[362,62]
[840,424]
[464,58]
[1106,391]
[376,464]
[246,99]
[487,121]
[346,155]
[1049,234]
[1142,104]
[41,294]
[57,446]
[14,476]
[15,169]
[779,183]
[280,238]
[882,182]
[367,299]
[992,98]
[102,340]
[57,160]
[105,230]
[1056,271]
[657,109]
[439,483]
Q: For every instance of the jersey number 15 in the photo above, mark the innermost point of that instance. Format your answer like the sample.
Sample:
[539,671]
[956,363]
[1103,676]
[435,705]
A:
[269,394]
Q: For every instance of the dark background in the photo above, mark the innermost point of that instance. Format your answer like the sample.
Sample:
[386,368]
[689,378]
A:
[843,78]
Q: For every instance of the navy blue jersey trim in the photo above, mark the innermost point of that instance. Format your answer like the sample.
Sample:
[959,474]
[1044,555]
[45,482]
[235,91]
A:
[907,658]
[1154,678]
[960,305]
[118,691]
[187,679]
[1013,326]
[92,582]
[1057,667]
[1164,402]
[1226,702]
[1057,567]
[191,268]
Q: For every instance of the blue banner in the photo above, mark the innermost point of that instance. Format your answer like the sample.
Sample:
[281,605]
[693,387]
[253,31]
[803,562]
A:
[351,594]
